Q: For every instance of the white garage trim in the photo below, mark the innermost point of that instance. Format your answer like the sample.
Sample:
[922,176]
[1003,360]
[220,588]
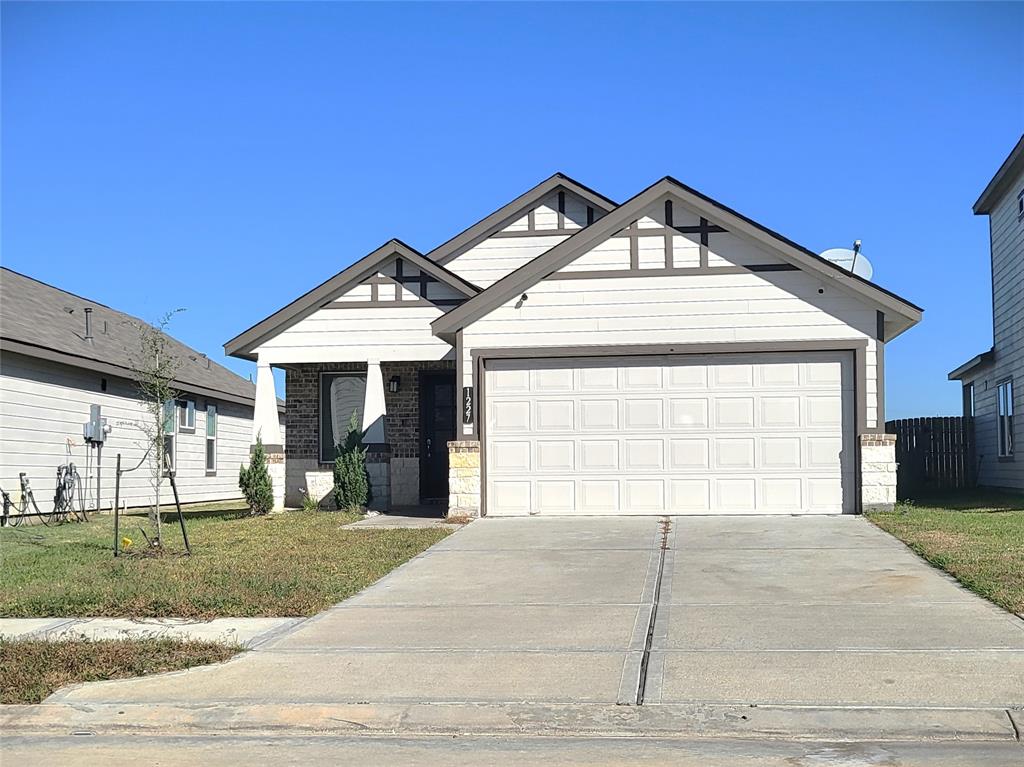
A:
[856,347]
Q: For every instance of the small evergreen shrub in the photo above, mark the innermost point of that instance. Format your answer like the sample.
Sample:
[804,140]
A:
[351,482]
[254,482]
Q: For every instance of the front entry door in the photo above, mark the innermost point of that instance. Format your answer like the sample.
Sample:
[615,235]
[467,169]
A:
[437,427]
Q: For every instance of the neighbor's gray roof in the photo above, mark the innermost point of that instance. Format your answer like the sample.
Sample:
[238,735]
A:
[42,321]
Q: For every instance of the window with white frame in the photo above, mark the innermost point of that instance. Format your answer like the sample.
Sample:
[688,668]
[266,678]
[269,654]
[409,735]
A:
[969,400]
[169,439]
[1004,402]
[211,439]
[187,415]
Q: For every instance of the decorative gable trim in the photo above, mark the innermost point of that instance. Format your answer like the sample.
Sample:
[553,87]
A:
[492,226]
[710,210]
[324,294]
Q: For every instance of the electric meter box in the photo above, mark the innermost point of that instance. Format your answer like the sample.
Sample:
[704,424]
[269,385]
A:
[95,429]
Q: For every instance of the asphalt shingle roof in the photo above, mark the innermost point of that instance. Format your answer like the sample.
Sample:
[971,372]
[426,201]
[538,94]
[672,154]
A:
[38,315]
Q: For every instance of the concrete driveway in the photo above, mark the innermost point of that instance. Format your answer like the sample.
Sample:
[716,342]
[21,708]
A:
[768,611]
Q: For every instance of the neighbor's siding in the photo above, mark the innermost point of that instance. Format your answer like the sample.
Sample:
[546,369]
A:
[489,261]
[692,308]
[1007,233]
[44,404]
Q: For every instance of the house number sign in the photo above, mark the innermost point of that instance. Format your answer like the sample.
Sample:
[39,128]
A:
[467,404]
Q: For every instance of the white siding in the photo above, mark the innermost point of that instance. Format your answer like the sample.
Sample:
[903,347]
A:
[44,404]
[1007,233]
[680,309]
[490,260]
[385,333]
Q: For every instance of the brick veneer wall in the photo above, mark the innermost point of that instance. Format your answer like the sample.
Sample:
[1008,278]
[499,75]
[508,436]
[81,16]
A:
[302,405]
[401,422]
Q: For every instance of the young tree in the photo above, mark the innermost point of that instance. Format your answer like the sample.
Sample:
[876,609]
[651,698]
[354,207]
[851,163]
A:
[155,367]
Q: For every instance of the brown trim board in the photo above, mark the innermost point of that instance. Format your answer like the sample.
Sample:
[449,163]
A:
[243,344]
[716,213]
[513,210]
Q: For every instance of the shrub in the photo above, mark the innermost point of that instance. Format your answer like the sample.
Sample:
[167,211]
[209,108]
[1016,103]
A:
[351,482]
[254,482]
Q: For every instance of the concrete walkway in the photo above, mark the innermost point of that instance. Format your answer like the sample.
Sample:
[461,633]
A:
[247,632]
[732,627]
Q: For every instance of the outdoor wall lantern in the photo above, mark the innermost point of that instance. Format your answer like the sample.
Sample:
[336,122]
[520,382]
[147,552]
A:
[394,384]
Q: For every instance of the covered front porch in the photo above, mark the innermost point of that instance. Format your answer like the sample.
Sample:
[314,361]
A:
[407,412]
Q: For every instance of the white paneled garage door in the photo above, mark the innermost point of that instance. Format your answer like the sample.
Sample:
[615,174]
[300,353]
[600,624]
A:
[717,434]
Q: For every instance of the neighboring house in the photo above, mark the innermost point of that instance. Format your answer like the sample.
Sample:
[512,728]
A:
[665,355]
[60,354]
[992,380]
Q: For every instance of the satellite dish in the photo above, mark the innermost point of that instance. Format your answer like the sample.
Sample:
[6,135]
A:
[850,260]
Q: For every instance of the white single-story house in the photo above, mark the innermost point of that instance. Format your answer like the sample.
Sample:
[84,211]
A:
[571,355]
[60,356]
[991,380]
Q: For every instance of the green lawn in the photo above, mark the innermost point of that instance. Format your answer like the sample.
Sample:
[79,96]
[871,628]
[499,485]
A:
[977,537]
[32,669]
[289,564]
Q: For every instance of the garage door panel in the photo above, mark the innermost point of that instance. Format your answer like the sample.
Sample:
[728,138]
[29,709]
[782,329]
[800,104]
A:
[599,414]
[510,416]
[689,496]
[688,413]
[556,496]
[734,412]
[599,379]
[780,494]
[780,412]
[783,375]
[732,375]
[556,456]
[687,377]
[686,455]
[598,455]
[644,495]
[642,413]
[736,494]
[780,453]
[598,496]
[735,453]
[747,434]
[512,456]
[554,415]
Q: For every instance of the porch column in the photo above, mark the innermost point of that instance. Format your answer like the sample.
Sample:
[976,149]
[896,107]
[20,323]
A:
[378,454]
[267,427]
[373,405]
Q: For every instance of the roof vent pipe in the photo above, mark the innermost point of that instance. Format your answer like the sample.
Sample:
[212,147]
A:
[88,323]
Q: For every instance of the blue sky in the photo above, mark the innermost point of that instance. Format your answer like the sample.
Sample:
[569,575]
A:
[226,158]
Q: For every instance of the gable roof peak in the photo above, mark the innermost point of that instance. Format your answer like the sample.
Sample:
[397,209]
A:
[509,212]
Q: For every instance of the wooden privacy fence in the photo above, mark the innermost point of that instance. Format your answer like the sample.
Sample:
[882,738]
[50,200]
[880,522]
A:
[933,453]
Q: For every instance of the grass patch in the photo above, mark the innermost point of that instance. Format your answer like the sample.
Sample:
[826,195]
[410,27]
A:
[976,537]
[32,669]
[289,564]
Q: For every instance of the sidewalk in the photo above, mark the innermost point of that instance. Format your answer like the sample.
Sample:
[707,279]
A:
[241,631]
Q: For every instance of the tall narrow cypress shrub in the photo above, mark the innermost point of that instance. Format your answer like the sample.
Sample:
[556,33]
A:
[254,482]
[351,481]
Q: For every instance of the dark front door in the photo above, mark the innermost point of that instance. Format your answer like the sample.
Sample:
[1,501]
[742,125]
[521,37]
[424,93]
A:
[437,427]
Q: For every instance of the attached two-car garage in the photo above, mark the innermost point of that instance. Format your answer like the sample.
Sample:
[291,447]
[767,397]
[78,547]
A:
[761,433]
